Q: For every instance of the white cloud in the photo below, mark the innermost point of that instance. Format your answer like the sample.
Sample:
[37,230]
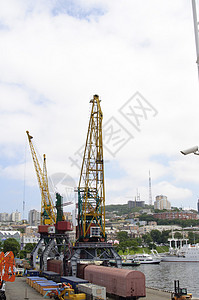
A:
[52,64]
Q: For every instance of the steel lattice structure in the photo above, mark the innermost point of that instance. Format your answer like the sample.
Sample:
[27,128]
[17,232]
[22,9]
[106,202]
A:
[91,194]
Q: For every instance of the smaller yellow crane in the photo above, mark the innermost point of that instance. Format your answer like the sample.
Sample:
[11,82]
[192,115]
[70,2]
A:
[47,209]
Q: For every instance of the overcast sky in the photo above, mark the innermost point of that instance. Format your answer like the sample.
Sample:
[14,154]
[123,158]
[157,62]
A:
[139,57]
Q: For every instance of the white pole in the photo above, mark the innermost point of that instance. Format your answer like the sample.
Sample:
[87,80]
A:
[196,32]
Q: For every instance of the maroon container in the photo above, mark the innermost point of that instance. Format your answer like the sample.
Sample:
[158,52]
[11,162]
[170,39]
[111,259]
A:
[43,228]
[64,226]
[119,282]
[80,270]
[55,266]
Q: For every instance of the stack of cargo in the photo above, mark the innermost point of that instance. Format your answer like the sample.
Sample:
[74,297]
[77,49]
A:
[73,281]
[50,275]
[31,280]
[32,273]
[92,291]
[41,284]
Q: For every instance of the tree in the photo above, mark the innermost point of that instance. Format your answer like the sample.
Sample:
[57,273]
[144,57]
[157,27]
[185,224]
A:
[147,238]
[22,254]
[122,236]
[165,236]
[11,245]
[29,247]
[156,236]
[1,246]
[178,235]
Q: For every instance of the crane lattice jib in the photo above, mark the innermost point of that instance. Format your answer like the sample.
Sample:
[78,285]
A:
[47,209]
[91,193]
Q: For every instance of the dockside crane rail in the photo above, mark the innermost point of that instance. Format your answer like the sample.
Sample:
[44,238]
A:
[47,210]
[91,193]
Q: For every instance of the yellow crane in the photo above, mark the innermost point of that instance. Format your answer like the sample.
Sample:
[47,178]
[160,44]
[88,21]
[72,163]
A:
[91,194]
[47,209]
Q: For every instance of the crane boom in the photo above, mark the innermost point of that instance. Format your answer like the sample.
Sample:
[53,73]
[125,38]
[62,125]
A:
[91,194]
[47,211]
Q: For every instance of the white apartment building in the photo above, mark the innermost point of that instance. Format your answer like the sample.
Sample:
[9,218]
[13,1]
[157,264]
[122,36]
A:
[29,238]
[34,217]
[4,217]
[15,216]
[147,228]
[161,202]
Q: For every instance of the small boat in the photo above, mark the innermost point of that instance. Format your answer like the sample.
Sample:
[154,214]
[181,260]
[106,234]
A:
[145,258]
[130,262]
[126,262]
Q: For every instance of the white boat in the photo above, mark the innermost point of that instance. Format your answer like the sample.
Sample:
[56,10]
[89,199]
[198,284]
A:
[186,253]
[145,258]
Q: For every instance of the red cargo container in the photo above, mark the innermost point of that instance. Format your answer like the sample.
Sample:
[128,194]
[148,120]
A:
[43,228]
[55,265]
[64,226]
[80,270]
[119,282]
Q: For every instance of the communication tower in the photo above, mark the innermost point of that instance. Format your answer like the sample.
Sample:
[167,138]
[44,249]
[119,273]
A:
[150,190]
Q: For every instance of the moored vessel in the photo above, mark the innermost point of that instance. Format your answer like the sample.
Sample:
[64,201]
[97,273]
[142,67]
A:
[145,258]
[186,253]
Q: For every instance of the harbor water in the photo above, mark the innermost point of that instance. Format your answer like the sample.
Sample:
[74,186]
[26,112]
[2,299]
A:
[162,276]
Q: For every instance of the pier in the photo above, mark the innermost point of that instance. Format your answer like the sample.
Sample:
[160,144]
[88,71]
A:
[21,290]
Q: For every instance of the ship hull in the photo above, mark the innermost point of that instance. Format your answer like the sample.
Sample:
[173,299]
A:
[179,259]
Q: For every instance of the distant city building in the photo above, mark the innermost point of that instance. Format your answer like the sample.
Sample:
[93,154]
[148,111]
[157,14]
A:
[31,229]
[4,217]
[68,216]
[34,217]
[27,238]
[161,202]
[183,215]
[4,235]
[132,204]
[149,228]
[15,216]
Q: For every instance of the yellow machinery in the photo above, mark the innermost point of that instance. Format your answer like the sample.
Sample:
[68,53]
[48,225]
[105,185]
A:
[64,293]
[91,194]
[180,293]
[47,209]
[19,272]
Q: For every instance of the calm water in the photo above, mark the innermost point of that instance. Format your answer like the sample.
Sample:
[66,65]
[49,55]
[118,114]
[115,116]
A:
[162,276]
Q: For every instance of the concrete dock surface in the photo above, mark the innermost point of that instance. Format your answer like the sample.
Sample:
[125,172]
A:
[20,290]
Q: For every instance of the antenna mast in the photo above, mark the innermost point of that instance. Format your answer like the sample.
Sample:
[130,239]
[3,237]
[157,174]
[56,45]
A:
[195,22]
[150,192]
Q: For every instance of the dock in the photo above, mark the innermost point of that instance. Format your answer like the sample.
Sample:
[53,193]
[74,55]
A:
[19,289]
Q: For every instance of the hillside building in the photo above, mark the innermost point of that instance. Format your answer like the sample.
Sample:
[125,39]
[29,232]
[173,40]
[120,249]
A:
[161,202]
[132,204]
[182,215]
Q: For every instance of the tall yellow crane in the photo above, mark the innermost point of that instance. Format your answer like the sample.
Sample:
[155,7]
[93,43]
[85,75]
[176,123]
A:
[47,209]
[91,244]
[91,194]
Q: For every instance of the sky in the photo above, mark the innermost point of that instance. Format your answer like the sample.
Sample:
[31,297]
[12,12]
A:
[139,57]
